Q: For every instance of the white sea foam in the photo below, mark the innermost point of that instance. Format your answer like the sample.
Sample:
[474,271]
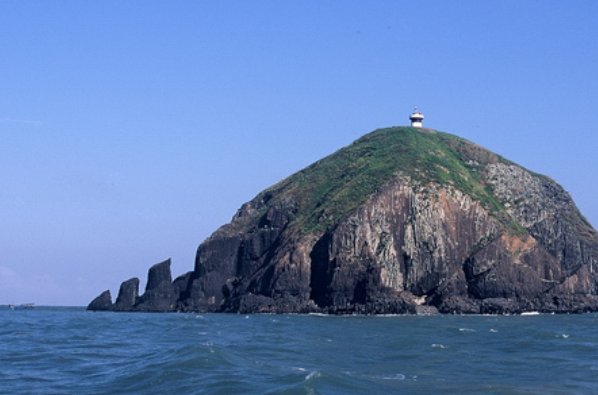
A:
[466,330]
[528,313]
[397,376]
[438,345]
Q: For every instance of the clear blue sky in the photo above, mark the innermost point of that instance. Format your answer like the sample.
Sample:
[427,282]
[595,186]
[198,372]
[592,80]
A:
[131,130]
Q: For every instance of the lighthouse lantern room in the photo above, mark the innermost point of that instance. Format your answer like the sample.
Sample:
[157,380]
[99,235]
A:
[416,119]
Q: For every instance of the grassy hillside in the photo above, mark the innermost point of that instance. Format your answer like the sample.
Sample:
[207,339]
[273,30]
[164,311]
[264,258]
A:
[335,186]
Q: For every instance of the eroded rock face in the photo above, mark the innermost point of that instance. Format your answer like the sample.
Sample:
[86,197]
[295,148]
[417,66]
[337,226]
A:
[102,302]
[161,293]
[404,240]
[407,246]
[128,295]
[495,238]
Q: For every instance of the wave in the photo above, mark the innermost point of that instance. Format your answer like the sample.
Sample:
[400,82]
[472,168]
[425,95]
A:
[58,352]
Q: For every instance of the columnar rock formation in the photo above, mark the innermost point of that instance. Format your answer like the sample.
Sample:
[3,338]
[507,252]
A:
[160,293]
[403,220]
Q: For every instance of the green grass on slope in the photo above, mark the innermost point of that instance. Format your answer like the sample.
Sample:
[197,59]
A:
[335,186]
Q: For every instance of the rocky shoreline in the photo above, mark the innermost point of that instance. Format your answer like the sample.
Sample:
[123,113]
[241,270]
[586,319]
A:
[164,295]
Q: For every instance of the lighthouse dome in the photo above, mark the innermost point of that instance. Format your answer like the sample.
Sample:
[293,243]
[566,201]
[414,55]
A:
[416,115]
[416,119]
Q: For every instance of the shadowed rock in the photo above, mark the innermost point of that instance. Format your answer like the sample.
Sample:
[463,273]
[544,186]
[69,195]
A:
[103,302]
[159,293]
[127,295]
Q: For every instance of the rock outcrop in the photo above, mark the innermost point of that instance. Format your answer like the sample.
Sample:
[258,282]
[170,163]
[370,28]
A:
[127,295]
[102,302]
[161,294]
[403,220]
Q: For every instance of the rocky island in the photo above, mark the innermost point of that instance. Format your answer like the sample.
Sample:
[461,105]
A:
[404,220]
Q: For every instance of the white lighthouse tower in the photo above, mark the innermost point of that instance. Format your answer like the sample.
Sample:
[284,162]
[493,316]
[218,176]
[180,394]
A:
[416,119]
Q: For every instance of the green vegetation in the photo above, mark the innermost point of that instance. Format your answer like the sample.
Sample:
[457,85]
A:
[335,186]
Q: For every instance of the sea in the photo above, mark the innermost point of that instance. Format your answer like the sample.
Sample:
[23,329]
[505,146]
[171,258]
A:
[67,350]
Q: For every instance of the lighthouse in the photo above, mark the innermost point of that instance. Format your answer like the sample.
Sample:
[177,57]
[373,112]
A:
[416,119]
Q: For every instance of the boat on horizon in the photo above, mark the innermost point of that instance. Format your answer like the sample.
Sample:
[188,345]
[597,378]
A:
[24,306]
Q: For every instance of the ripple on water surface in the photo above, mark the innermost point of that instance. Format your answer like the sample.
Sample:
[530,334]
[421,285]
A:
[70,351]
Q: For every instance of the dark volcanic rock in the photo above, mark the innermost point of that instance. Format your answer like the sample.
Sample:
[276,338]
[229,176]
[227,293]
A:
[101,303]
[458,305]
[569,304]
[158,275]
[127,295]
[160,292]
[403,220]
[181,285]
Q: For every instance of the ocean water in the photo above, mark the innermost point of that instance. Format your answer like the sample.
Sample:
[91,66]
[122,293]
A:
[71,351]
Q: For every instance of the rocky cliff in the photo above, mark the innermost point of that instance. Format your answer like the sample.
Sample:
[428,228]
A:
[403,220]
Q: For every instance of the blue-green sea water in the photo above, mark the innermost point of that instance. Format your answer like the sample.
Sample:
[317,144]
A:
[71,351]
